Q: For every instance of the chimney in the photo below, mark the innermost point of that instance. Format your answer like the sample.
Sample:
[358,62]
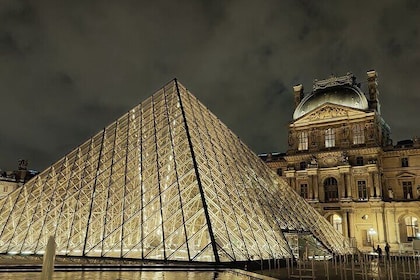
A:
[298,92]
[373,98]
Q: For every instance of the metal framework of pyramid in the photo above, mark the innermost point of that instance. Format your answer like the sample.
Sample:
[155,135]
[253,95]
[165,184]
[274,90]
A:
[166,181]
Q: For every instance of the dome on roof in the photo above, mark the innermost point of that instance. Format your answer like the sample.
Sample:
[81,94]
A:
[349,96]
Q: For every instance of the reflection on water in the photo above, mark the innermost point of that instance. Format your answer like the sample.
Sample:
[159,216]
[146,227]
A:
[128,275]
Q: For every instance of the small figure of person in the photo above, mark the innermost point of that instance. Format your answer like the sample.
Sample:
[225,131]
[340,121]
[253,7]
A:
[390,193]
[379,251]
[387,247]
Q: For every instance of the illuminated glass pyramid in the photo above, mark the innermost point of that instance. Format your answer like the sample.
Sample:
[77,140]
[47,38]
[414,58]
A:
[166,181]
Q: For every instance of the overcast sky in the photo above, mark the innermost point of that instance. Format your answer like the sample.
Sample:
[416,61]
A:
[69,68]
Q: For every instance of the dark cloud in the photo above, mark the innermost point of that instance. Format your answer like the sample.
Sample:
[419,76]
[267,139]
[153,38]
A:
[8,45]
[69,68]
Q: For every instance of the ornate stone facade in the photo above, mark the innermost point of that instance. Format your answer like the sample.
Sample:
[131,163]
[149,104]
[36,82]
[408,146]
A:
[341,160]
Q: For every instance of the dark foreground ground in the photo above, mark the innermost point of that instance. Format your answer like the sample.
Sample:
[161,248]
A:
[394,268]
[354,267]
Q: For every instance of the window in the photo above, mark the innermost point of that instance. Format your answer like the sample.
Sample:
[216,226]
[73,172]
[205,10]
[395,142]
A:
[303,141]
[359,161]
[407,189]
[369,237]
[412,227]
[279,171]
[331,189]
[304,190]
[362,190]
[329,138]
[404,162]
[303,165]
[358,134]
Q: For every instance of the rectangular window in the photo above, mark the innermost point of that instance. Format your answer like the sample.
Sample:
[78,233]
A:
[359,161]
[407,189]
[366,238]
[303,141]
[304,190]
[303,165]
[362,190]
[404,162]
[329,138]
[358,134]
[279,171]
[411,227]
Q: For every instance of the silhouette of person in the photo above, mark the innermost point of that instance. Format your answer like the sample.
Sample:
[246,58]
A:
[379,251]
[387,247]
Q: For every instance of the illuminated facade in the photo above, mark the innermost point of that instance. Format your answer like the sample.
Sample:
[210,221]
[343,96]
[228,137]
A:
[341,160]
[166,181]
[12,180]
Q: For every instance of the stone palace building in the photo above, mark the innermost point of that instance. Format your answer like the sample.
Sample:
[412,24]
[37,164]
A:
[342,161]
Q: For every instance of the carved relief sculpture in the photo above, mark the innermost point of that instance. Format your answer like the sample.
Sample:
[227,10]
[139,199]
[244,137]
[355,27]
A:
[327,112]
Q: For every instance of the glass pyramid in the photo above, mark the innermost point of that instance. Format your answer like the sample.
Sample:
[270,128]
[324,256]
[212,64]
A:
[166,181]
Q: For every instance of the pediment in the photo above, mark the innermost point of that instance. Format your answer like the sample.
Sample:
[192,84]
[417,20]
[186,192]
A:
[328,112]
[403,175]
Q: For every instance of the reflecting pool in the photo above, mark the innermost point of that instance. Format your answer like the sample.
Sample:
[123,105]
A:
[129,275]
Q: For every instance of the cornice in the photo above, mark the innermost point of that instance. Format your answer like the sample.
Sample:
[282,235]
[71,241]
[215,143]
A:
[408,152]
[356,151]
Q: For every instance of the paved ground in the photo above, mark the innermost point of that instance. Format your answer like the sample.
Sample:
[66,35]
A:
[397,268]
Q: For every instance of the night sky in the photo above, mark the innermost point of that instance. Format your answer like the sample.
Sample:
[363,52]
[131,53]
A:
[69,68]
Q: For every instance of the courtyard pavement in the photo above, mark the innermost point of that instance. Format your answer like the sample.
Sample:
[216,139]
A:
[368,268]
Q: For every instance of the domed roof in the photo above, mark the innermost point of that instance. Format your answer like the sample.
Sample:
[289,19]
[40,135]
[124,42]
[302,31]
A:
[345,94]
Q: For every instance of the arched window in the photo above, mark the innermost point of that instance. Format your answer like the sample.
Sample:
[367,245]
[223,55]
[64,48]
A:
[337,223]
[331,189]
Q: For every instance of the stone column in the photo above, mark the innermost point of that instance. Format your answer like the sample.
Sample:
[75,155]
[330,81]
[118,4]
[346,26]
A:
[342,186]
[351,224]
[320,193]
[380,224]
[349,188]
[310,187]
[344,181]
[377,184]
[345,224]
[388,225]
[290,175]
[316,188]
[373,180]
[396,229]
[293,184]
[375,194]
[313,182]
[370,185]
